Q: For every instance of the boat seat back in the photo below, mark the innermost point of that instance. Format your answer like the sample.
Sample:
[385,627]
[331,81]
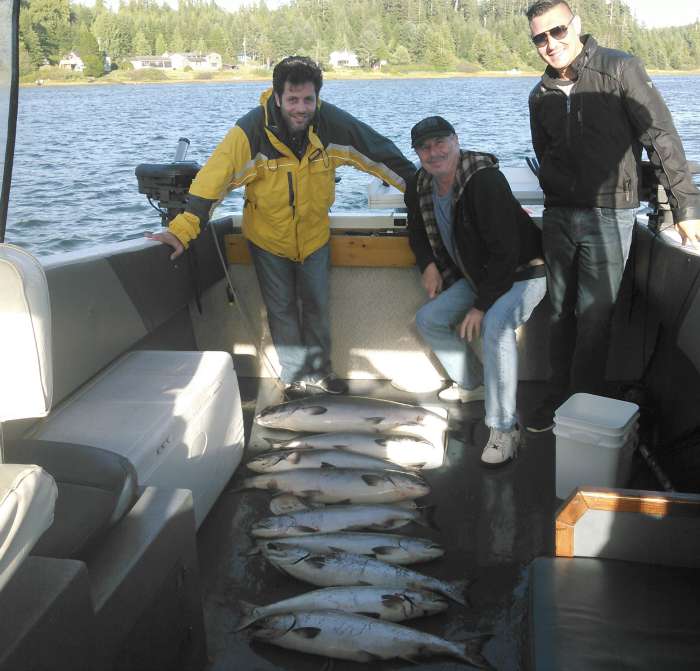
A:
[27,497]
[26,383]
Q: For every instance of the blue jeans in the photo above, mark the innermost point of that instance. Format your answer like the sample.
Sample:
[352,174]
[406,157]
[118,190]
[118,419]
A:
[438,321]
[585,250]
[296,295]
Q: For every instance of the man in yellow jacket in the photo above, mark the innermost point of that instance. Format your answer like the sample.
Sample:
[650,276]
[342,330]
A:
[285,152]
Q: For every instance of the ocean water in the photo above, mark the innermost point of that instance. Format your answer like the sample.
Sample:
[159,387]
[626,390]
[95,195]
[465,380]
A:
[77,146]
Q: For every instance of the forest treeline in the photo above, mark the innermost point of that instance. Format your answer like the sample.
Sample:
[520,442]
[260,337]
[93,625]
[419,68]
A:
[466,35]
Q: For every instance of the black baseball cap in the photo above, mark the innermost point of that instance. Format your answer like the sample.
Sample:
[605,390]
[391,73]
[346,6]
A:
[432,126]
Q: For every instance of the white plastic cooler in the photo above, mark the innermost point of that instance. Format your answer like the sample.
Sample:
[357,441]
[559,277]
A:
[595,436]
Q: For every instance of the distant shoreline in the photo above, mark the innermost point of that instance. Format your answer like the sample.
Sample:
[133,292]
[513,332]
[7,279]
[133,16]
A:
[188,78]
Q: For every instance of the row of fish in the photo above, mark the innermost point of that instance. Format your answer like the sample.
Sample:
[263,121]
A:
[343,547]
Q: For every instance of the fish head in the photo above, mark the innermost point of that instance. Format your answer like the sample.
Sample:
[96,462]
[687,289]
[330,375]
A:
[273,414]
[410,482]
[283,554]
[273,626]
[428,549]
[266,461]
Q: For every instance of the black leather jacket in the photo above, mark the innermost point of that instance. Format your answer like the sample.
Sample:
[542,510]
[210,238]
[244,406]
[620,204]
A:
[589,143]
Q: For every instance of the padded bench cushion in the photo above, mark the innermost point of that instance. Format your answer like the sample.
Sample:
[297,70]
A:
[605,615]
[27,496]
[96,488]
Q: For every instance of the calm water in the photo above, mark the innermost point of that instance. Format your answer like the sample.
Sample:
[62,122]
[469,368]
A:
[77,146]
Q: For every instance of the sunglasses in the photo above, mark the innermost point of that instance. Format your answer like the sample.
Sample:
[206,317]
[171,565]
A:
[558,33]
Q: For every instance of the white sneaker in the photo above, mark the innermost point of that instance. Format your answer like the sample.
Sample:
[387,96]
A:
[501,447]
[456,393]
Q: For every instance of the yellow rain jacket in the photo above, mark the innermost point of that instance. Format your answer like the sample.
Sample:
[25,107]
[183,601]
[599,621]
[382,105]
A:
[287,199]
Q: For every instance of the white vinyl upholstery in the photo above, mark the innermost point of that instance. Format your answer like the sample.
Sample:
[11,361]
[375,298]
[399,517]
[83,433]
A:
[27,498]
[26,378]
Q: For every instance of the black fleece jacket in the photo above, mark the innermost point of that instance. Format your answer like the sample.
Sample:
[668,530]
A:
[495,238]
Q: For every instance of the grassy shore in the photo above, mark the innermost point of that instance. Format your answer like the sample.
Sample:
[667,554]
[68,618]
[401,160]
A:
[261,74]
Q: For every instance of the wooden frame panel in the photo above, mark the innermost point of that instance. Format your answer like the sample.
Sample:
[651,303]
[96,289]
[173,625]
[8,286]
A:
[378,251]
[656,504]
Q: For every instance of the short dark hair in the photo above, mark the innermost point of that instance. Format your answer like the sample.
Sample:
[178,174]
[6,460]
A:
[543,6]
[296,70]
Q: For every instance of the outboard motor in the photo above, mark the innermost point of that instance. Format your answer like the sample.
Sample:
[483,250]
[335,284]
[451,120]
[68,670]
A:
[166,184]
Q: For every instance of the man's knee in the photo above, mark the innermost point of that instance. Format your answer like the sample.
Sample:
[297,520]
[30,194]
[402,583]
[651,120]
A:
[425,319]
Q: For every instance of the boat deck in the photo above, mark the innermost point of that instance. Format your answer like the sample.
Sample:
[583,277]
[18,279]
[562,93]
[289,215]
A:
[491,522]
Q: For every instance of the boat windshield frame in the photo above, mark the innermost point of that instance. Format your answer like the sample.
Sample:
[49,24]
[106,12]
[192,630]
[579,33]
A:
[9,88]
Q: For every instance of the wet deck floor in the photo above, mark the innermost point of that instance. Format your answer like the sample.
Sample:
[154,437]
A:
[492,524]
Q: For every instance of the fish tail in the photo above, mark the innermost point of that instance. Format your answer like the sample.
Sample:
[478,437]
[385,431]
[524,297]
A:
[427,518]
[457,591]
[248,614]
[471,651]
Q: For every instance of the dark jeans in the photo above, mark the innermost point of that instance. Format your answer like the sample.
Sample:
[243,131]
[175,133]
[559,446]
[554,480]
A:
[585,251]
[296,295]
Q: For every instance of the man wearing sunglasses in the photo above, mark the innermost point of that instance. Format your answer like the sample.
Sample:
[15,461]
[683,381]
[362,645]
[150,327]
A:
[590,115]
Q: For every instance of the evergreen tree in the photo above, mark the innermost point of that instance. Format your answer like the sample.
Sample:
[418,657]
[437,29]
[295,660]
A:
[90,54]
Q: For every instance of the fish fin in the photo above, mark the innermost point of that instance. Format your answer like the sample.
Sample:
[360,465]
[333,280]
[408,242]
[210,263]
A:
[427,518]
[364,583]
[373,480]
[248,615]
[407,658]
[252,552]
[317,561]
[384,550]
[309,493]
[339,446]
[305,529]
[344,502]
[471,650]
[273,442]
[367,656]
[374,420]
[375,616]
[325,464]
[457,591]
[306,632]
[392,600]
[315,409]
[334,549]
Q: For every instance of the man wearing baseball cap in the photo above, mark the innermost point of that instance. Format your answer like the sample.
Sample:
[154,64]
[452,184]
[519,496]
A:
[480,256]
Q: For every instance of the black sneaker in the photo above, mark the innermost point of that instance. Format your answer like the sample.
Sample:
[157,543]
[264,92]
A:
[294,390]
[331,384]
[542,419]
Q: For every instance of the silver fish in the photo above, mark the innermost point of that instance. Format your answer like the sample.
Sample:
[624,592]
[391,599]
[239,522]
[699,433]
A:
[387,604]
[347,485]
[286,460]
[361,639]
[349,413]
[402,450]
[343,568]
[284,504]
[391,548]
[377,517]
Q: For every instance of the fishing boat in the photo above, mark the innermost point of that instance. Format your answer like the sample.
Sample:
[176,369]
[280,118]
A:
[127,397]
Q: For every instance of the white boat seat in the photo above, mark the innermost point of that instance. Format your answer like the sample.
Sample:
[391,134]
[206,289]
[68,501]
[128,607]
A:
[176,416]
[96,489]
[27,496]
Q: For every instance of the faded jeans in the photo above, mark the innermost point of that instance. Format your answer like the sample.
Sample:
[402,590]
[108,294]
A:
[296,295]
[438,322]
[585,250]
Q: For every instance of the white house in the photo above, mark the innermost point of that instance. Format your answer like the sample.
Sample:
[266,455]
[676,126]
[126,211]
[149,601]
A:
[158,62]
[212,61]
[72,62]
[343,59]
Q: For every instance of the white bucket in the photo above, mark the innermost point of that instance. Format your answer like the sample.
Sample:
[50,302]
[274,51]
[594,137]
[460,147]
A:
[592,434]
